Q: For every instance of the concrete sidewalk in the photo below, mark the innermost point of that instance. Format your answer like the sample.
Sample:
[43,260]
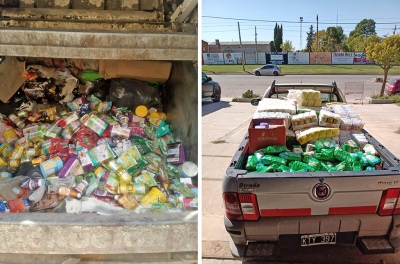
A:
[224,125]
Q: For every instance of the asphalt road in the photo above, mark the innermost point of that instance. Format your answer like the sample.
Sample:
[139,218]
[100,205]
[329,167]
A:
[225,123]
[235,85]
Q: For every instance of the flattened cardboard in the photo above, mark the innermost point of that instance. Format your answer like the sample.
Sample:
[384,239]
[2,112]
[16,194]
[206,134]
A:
[11,71]
[147,71]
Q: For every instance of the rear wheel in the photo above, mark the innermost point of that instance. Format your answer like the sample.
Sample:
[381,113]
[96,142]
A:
[258,73]
[276,73]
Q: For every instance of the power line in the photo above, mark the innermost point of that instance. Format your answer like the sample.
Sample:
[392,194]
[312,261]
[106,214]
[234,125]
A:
[284,21]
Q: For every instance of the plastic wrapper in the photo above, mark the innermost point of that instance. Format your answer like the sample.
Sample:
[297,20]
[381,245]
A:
[132,93]
[274,149]
[313,162]
[304,120]
[315,133]
[359,138]
[310,98]
[324,144]
[274,115]
[349,117]
[269,160]
[368,148]
[276,105]
[328,119]
[252,163]
[272,168]
[325,154]
[372,160]
[350,146]
[300,166]
[343,166]
[289,156]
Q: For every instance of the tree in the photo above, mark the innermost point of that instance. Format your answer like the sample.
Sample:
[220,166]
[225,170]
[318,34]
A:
[385,53]
[278,37]
[333,39]
[287,46]
[318,37]
[365,28]
[310,39]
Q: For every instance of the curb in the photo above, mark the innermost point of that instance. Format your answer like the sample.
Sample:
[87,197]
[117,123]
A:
[381,101]
[242,100]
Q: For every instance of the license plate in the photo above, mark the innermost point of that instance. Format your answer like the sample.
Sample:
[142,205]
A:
[318,239]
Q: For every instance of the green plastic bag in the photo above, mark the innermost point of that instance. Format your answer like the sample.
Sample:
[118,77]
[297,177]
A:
[252,163]
[326,154]
[300,166]
[271,168]
[269,160]
[343,166]
[274,149]
[290,156]
[324,144]
[316,164]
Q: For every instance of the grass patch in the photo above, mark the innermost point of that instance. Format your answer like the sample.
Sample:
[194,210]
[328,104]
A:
[395,98]
[220,141]
[250,94]
[303,69]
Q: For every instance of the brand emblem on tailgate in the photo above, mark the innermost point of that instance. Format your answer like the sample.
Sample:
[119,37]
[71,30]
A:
[321,190]
[249,185]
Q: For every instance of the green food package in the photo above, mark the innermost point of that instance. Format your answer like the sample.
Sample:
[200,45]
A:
[300,166]
[284,168]
[290,156]
[316,164]
[370,168]
[350,146]
[271,168]
[307,156]
[252,163]
[324,144]
[269,160]
[372,159]
[326,154]
[342,155]
[343,166]
[274,149]
[327,167]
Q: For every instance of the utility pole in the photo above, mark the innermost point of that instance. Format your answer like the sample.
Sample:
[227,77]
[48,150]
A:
[394,32]
[301,35]
[241,50]
[317,41]
[255,29]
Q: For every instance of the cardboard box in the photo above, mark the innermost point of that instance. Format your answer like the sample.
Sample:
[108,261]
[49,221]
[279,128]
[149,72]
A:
[147,71]
[260,138]
[11,71]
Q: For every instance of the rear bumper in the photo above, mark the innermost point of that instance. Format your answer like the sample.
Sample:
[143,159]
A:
[281,229]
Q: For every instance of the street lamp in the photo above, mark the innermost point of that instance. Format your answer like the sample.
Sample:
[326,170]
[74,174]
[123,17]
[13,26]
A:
[301,29]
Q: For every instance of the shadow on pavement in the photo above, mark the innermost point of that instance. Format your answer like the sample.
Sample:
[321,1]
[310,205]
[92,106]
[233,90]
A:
[211,107]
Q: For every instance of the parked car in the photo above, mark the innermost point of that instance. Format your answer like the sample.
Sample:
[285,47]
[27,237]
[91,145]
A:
[268,69]
[393,86]
[210,89]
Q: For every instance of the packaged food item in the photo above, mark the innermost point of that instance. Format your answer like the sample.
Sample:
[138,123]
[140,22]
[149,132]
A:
[328,119]
[324,144]
[304,120]
[274,149]
[51,166]
[289,156]
[63,190]
[269,160]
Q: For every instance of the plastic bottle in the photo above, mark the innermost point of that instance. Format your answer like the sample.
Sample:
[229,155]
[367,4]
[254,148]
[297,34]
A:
[17,121]
[64,190]
[135,188]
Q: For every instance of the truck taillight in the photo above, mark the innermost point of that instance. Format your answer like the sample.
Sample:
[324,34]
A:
[248,203]
[232,207]
[389,202]
[241,206]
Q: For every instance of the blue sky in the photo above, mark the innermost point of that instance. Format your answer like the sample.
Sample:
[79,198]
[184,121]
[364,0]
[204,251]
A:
[385,13]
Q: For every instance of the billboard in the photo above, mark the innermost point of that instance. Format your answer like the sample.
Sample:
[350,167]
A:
[232,58]
[213,58]
[361,58]
[298,58]
[320,58]
[342,57]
